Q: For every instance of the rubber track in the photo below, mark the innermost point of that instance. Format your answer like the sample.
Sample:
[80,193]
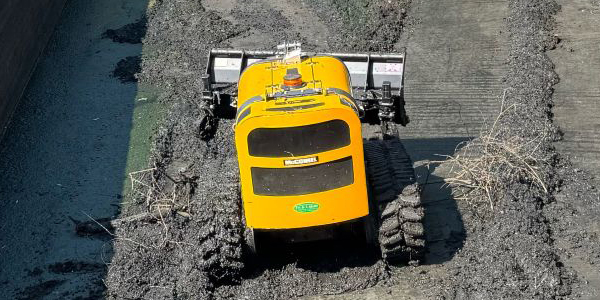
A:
[396,195]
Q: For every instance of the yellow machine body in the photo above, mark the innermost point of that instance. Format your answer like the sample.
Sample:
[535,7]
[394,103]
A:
[299,147]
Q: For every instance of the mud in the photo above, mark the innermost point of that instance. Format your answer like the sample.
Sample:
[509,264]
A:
[533,245]
[361,25]
[182,257]
[132,33]
[201,255]
[574,220]
[514,252]
[574,216]
[196,249]
[577,94]
[127,69]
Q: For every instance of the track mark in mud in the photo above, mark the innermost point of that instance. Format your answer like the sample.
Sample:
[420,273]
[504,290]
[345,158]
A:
[454,77]
[577,95]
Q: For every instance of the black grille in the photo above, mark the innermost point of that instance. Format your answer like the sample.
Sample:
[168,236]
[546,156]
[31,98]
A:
[303,180]
[300,140]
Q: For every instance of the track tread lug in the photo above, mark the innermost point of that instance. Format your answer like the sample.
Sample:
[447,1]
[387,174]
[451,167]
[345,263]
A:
[414,242]
[413,214]
[413,229]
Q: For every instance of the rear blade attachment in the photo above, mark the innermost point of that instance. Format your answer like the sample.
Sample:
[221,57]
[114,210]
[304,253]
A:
[377,79]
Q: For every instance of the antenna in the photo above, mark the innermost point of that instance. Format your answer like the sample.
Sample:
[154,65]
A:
[291,51]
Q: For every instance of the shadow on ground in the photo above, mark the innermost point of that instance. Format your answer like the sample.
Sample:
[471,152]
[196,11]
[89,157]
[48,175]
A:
[444,228]
[64,156]
[329,256]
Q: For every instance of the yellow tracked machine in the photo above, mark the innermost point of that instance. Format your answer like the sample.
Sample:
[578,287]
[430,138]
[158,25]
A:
[306,171]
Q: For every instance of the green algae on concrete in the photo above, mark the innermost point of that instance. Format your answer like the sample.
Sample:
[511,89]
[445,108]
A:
[147,115]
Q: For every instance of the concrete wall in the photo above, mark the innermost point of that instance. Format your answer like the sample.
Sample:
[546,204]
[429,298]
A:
[25,28]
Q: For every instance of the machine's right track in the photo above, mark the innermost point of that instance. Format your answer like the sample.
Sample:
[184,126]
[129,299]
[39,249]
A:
[395,201]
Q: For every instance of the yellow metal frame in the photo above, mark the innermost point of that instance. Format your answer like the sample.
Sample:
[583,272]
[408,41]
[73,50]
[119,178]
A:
[265,79]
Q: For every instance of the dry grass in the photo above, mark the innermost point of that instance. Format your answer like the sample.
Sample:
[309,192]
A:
[483,165]
[161,199]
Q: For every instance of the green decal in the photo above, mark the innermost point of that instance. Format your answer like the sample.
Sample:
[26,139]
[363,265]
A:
[306,207]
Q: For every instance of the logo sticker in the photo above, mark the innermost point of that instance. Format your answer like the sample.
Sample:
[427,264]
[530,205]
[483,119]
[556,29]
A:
[306,207]
[301,161]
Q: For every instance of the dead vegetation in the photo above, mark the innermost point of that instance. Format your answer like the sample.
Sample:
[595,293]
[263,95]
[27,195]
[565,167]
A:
[160,201]
[483,166]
